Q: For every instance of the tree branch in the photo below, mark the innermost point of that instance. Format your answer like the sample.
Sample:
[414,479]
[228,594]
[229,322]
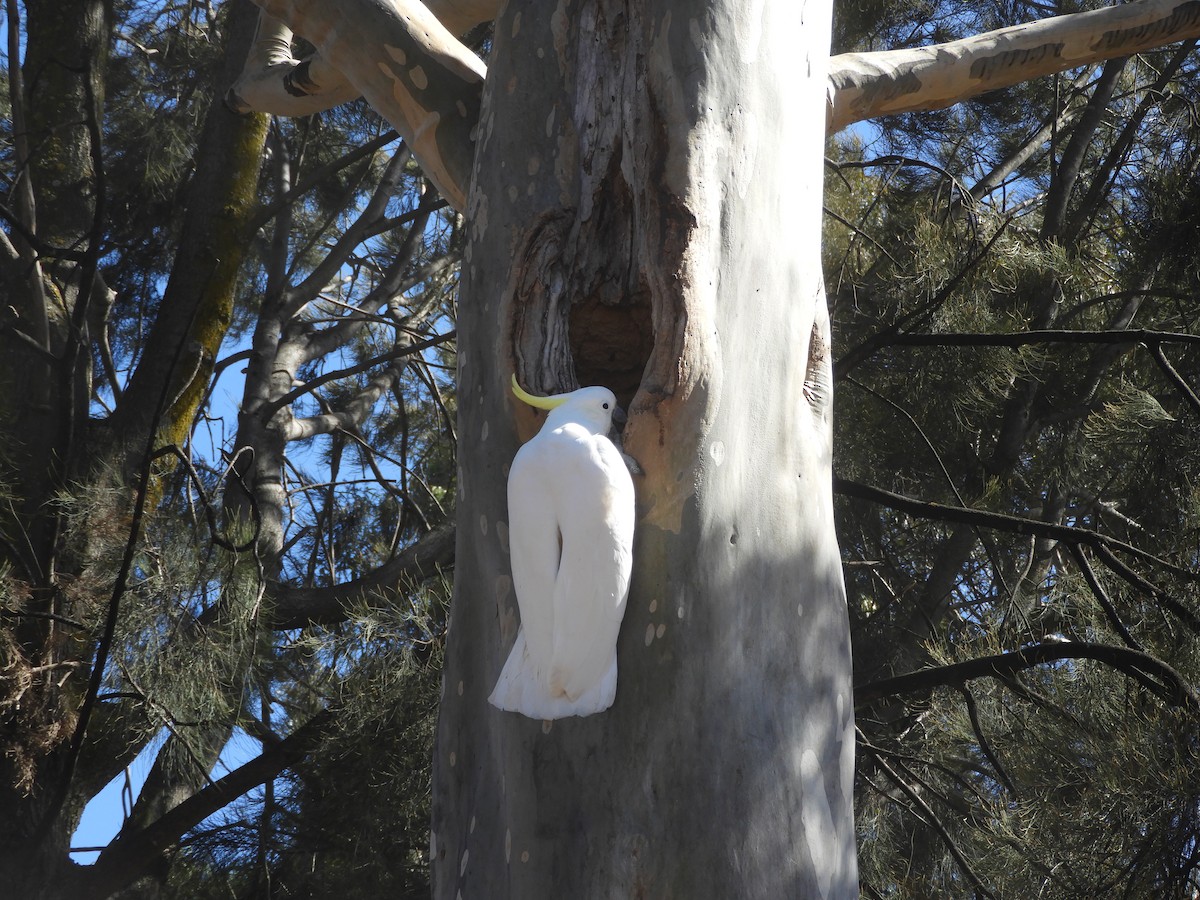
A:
[1169,370]
[410,68]
[1152,673]
[298,607]
[866,85]
[893,332]
[1102,597]
[1043,336]
[269,409]
[275,82]
[930,816]
[130,856]
[1102,543]
[321,175]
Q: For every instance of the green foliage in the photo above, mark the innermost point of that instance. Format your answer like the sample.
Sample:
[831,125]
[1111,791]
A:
[352,820]
[311,465]
[1077,778]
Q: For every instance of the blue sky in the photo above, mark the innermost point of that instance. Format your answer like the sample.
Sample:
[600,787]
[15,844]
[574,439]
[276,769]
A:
[105,813]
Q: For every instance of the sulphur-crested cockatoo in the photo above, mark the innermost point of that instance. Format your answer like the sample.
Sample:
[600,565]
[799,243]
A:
[570,534]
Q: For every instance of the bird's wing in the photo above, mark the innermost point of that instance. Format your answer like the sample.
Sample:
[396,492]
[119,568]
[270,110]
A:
[596,518]
[533,537]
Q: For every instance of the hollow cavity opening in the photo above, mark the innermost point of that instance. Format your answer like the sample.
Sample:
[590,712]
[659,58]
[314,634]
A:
[612,342]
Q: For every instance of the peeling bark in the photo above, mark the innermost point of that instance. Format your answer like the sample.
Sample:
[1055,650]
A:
[408,66]
[276,82]
[865,85]
[654,177]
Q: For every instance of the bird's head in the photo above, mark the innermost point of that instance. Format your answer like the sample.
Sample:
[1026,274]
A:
[592,407]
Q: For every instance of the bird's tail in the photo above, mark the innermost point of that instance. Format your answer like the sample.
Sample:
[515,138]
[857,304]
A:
[524,687]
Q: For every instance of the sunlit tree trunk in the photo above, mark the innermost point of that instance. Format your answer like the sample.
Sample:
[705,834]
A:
[645,215]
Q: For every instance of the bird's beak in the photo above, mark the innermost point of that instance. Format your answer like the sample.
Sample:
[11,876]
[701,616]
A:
[539,402]
[619,418]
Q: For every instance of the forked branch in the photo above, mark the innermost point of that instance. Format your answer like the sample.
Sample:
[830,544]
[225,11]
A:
[397,54]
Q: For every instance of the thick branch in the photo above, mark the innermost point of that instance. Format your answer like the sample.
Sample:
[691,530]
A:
[130,856]
[197,303]
[409,67]
[866,85]
[298,607]
[276,82]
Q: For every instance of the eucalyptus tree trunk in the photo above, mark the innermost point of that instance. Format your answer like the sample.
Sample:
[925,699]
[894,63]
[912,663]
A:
[645,215]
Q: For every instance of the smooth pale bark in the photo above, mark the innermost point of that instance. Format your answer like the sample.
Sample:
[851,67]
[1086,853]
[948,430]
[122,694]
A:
[276,82]
[409,67]
[866,85]
[351,34]
[646,215]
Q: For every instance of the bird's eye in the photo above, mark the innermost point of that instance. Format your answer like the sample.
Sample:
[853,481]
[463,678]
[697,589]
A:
[606,406]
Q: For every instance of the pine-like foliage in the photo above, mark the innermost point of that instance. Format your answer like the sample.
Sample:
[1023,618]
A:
[978,260]
[275,556]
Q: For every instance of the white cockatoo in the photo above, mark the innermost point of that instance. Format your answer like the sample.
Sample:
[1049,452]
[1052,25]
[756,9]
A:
[570,534]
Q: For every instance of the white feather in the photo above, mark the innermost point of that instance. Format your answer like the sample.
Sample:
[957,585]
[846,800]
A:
[571,516]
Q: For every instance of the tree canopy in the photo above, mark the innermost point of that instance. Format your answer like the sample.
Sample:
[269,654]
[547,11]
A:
[1014,289]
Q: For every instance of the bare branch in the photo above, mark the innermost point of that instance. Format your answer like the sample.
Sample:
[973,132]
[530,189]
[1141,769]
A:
[866,85]
[298,607]
[409,67]
[269,409]
[321,175]
[1102,543]
[1044,336]
[362,227]
[130,856]
[392,285]
[1152,673]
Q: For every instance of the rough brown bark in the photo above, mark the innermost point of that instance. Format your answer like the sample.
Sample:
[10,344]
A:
[195,313]
[647,193]
[197,305]
[41,404]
